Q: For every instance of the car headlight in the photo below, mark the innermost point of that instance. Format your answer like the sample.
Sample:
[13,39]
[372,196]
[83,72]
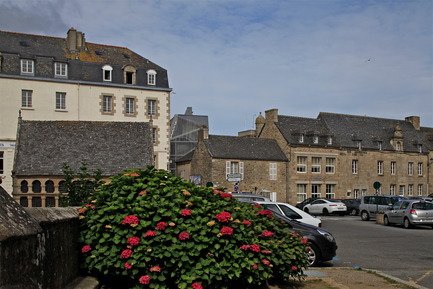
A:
[326,235]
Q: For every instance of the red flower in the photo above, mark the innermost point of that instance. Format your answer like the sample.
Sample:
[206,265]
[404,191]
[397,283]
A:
[184,236]
[217,192]
[266,213]
[142,192]
[227,195]
[248,223]
[86,248]
[186,212]
[131,219]
[294,268]
[244,247]
[267,234]
[161,226]
[91,206]
[266,252]
[226,231]
[132,175]
[223,216]
[134,241]
[254,266]
[304,240]
[155,269]
[81,210]
[256,205]
[126,253]
[144,279]
[255,248]
[150,233]
[266,262]
[196,286]
[127,266]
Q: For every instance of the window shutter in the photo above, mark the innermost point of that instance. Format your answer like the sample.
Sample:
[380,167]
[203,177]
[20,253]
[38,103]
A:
[241,169]
[227,168]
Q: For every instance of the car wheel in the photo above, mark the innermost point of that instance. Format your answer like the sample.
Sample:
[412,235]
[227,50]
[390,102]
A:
[325,212]
[407,224]
[365,216]
[306,210]
[353,212]
[313,255]
[386,221]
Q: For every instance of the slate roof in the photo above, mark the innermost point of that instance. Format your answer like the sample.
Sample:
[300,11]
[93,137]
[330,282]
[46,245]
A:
[84,64]
[346,130]
[244,148]
[44,146]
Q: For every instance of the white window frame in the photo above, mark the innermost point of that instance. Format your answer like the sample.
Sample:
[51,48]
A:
[316,165]
[354,167]
[330,191]
[272,171]
[27,66]
[380,145]
[154,135]
[419,146]
[330,166]
[301,192]
[401,190]
[410,190]
[107,104]
[315,139]
[60,69]
[151,107]
[329,141]
[316,190]
[393,168]
[380,167]
[60,100]
[26,98]
[130,105]
[301,138]
[151,77]
[301,166]
[420,187]
[410,168]
[235,167]
[419,169]
[107,73]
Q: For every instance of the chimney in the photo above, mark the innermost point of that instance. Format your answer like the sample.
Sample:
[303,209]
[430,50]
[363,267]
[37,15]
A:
[75,40]
[203,133]
[271,115]
[415,121]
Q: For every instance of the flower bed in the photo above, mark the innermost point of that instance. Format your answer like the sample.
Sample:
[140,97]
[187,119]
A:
[148,229]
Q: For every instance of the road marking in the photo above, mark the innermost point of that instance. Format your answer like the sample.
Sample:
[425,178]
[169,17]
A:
[420,278]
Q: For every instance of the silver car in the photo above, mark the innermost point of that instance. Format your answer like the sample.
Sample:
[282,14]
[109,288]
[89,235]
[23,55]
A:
[410,213]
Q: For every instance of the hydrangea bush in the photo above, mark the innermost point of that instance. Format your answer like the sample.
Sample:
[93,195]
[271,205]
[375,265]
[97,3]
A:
[149,229]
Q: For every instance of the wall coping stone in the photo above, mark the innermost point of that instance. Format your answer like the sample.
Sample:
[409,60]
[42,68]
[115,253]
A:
[53,215]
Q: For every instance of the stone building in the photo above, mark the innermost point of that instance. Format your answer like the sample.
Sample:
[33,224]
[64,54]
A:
[44,146]
[341,156]
[252,164]
[52,78]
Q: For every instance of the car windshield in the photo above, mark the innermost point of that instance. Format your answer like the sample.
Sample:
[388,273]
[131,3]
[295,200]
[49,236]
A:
[335,201]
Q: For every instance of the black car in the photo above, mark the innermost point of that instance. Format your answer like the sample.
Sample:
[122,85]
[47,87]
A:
[352,206]
[305,202]
[323,246]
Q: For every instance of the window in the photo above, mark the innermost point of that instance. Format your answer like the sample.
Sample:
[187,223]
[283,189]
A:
[27,67]
[410,169]
[398,146]
[380,167]
[49,186]
[330,191]
[129,74]
[410,190]
[273,171]
[151,107]
[107,104]
[302,164]
[359,144]
[380,145]
[330,165]
[151,77]
[420,190]
[392,189]
[301,138]
[401,190]
[154,135]
[60,69]
[107,72]
[329,140]
[419,169]
[235,168]
[419,146]
[315,139]
[36,187]
[129,105]
[316,165]
[26,99]
[354,167]
[60,100]
[1,163]
[315,190]
[301,192]
[356,193]
[393,164]
[24,187]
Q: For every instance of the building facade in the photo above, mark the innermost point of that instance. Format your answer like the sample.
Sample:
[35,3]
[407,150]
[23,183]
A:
[341,156]
[246,164]
[50,78]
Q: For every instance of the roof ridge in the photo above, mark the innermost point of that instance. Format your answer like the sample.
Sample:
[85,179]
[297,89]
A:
[361,116]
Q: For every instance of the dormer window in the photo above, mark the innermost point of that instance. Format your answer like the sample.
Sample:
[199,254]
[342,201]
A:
[107,72]
[315,139]
[130,74]
[27,67]
[60,70]
[151,77]
[398,146]
[419,146]
[301,138]
[359,144]
[329,140]
[380,145]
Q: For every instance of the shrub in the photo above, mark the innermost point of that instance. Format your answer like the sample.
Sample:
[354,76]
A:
[148,229]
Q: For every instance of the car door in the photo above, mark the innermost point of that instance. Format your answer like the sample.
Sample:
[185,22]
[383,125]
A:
[393,213]
[316,206]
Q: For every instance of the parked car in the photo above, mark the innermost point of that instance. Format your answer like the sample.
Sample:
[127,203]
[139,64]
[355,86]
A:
[372,204]
[322,245]
[250,197]
[430,199]
[352,206]
[326,207]
[410,213]
[292,212]
[305,202]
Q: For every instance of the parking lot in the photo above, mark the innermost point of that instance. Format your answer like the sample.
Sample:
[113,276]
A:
[403,253]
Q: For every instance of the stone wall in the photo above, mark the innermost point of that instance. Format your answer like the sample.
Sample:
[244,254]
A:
[38,246]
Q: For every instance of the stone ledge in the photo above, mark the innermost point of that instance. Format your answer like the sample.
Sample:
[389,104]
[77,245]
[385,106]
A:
[84,283]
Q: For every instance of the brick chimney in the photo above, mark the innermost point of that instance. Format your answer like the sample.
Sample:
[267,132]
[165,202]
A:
[415,121]
[203,133]
[75,40]
[271,115]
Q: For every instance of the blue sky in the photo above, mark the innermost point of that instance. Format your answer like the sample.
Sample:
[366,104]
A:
[231,60]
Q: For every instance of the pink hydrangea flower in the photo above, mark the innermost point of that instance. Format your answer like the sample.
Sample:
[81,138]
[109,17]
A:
[267,234]
[248,223]
[131,219]
[161,226]
[255,248]
[150,234]
[223,217]
[226,231]
[155,269]
[126,253]
[266,213]
[266,262]
[186,212]
[196,286]
[227,195]
[134,241]
[294,268]
[127,266]
[86,248]
[244,247]
[144,279]
[184,236]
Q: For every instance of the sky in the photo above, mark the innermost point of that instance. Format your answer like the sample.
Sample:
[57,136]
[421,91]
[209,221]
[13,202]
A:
[234,59]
